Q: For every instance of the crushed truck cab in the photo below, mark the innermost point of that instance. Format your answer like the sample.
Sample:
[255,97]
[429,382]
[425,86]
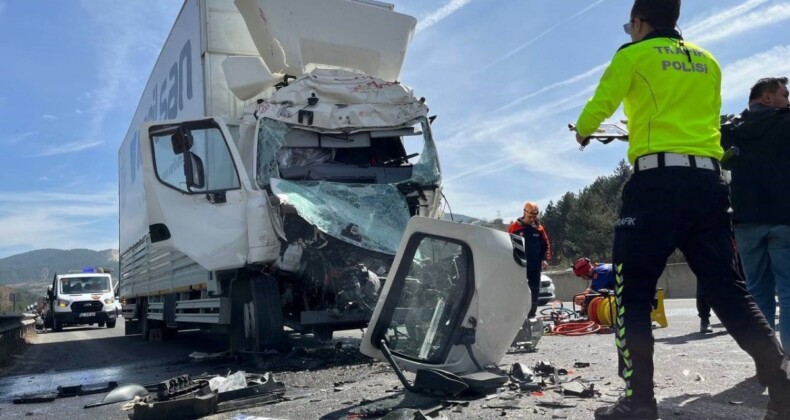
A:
[271,169]
[80,299]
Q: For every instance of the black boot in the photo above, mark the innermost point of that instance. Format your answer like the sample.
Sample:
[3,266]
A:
[778,405]
[777,412]
[704,327]
[629,409]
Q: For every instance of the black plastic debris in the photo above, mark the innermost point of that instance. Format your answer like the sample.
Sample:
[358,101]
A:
[73,391]
[555,404]
[544,368]
[581,365]
[484,382]
[36,398]
[177,386]
[261,389]
[66,391]
[521,372]
[530,387]
[184,397]
[203,403]
[578,389]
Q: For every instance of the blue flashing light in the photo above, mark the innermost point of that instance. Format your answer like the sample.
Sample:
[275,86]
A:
[88,270]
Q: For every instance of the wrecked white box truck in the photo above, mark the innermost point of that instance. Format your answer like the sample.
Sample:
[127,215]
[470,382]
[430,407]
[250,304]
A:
[270,170]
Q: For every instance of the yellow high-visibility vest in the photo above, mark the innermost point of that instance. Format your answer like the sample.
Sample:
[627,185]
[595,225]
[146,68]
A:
[671,94]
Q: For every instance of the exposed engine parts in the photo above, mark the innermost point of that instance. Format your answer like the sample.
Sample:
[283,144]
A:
[328,274]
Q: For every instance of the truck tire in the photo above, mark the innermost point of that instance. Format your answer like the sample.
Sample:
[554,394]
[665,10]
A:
[111,324]
[256,316]
[323,332]
[269,334]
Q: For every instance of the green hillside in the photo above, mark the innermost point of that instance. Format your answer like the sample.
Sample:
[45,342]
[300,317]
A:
[41,265]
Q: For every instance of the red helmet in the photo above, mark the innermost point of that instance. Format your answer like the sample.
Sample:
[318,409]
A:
[582,267]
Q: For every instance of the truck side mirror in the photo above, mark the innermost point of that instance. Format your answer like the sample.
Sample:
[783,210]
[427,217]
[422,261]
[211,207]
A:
[194,171]
[181,141]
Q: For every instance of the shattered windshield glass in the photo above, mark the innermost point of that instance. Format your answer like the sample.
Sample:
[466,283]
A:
[430,302]
[271,136]
[347,184]
[371,216]
[426,170]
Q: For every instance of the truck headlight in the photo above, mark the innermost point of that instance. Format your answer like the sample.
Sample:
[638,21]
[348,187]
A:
[63,303]
[108,301]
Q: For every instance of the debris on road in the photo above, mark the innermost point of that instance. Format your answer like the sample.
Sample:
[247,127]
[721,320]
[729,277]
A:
[198,355]
[123,393]
[66,391]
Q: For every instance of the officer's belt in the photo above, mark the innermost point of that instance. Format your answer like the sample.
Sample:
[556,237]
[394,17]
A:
[660,160]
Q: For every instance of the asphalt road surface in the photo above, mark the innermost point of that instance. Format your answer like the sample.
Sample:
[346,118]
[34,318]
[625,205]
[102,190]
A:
[697,376]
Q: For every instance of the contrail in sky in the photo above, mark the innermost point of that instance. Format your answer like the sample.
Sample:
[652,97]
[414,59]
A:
[439,14]
[539,36]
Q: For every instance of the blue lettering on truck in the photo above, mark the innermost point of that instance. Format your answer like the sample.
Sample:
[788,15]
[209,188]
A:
[167,100]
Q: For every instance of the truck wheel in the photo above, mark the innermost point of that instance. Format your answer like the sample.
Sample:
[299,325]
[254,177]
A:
[111,324]
[323,333]
[256,316]
[268,315]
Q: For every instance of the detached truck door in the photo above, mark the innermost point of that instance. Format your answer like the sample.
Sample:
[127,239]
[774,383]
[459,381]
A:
[455,298]
[194,192]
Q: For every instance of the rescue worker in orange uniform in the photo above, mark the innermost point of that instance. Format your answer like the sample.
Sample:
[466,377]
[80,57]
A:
[536,247]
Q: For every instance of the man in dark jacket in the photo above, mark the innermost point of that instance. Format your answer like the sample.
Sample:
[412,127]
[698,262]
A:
[537,248]
[760,142]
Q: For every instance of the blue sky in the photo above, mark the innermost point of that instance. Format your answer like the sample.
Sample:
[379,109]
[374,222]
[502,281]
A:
[504,77]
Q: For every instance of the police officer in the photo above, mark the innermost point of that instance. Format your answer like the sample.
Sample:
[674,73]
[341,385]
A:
[537,249]
[676,198]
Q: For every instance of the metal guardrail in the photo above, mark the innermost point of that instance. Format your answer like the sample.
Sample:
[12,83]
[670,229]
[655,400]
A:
[15,327]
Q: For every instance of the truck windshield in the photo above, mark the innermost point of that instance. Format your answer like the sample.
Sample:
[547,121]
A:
[86,284]
[383,156]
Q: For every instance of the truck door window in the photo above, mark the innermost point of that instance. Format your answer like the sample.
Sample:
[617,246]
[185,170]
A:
[431,300]
[208,145]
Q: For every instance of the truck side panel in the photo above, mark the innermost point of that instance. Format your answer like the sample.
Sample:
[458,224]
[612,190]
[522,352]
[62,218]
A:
[158,272]
[174,90]
[186,82]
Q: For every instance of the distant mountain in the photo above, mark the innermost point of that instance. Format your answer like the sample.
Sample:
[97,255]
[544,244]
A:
[41,265]
[463,218]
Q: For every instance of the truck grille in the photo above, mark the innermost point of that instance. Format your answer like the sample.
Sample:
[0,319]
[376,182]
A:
[545,283]
[86,306]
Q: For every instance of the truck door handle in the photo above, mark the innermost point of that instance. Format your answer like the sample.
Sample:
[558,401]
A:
[216,197]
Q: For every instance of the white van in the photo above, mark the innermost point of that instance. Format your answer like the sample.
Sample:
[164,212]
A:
[81,298]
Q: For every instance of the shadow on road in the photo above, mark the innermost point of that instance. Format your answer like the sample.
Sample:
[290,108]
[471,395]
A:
[694,336]
[405,401]
[743,401]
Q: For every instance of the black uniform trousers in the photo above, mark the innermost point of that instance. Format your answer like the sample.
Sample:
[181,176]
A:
[533,280]
[703,309]
[687,208]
